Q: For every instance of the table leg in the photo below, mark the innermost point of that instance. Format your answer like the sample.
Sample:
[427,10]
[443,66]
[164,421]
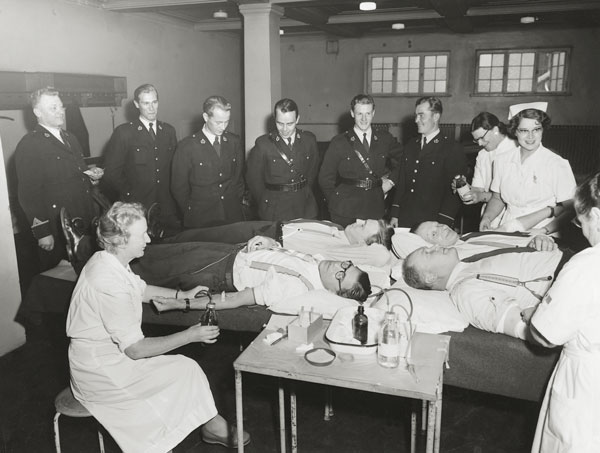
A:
[293,420]
[282,439]
[430,427]
[413,428]
[438,421]
[239,410]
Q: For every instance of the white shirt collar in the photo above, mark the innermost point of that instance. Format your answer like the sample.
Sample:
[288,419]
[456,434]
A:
[208,134]
[53,130]
[359,133]
[146,123]
[430,136]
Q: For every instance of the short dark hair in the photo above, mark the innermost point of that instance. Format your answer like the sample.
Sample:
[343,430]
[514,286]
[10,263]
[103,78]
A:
[285,105]
[145,88]
[383,236]
[587,195]
[213,102]
[360,290]
[362,99]
[412,276]
[488,121]
[113,226]
[35,96]
[530,114]
[435,105]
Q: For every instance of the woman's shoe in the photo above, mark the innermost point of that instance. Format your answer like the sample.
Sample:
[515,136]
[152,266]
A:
[229,441]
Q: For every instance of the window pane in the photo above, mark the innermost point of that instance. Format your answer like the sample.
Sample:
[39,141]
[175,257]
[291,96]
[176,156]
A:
[414,62]
[483,86]
[514,59]
[413,87]
[527,72]
[387,87]
[429,74]
[402,74]
[440,74]
[496,86]
[442,61]
[376,62]
[512,86]
[485,59]
[429,61]
[440,86]
[388,62]
[497,73]
[402,87]
[376,75]
[402,62]
[526,85]
[388,74]
[413,74]
[428,86]
[498,59]
[376,87]
[484,73]
[514,72]
[528,59]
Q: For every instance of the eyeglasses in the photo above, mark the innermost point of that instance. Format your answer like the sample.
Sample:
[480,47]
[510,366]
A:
[576,222]
[341,275]
[536,131]
[476,140]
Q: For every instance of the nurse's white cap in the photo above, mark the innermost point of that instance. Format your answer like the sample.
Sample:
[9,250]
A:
[514,109]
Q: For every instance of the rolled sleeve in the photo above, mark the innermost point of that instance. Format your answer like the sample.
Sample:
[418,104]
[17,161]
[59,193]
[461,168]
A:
[119,318]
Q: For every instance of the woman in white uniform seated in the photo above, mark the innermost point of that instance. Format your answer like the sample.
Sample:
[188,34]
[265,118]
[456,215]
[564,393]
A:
[148,402]
[569,315]
[534,184]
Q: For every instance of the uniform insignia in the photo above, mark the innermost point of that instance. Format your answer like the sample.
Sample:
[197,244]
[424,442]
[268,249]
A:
[277,139]
[224,138]
[375,137]
[46,134]
[160,126]
[139,128]
[352,138]
[203,142]
[436,141]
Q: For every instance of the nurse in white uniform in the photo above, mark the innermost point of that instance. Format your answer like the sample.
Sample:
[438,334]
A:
[569,315]
[148,402]
[534,184]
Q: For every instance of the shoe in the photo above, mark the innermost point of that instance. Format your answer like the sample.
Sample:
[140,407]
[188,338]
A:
[155,230]
[229,441]
[80,246]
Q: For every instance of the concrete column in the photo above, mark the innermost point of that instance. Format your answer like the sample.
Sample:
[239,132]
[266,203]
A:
[262,66]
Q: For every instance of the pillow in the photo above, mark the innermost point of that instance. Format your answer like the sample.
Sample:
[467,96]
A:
[404,242]
[433,311]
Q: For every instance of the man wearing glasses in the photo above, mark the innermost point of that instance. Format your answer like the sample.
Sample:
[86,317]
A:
[264,275]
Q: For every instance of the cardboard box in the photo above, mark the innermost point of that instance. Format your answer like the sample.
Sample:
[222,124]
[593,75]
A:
[299,334]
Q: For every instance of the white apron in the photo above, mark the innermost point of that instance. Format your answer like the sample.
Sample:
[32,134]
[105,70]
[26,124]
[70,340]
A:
[569,419]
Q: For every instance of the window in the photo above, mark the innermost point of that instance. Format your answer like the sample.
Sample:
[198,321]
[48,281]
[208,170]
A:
[521,71]
[395,74]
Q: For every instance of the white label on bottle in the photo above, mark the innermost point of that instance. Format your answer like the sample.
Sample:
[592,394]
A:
[464,190]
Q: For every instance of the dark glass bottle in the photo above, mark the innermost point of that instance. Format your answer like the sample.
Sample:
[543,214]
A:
[360,325]
[209,317]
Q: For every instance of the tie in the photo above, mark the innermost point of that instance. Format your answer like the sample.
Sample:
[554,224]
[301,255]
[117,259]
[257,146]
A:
[217,145]
[151,130]
[480,256]
[365,142]
[63,137]
[282,270]
[290,143]
[423,141]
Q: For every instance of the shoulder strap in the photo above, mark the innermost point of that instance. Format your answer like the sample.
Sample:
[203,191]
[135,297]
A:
[285,157]
[350,137]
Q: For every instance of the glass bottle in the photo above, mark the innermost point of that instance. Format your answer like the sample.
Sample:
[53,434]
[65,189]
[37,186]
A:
[388,349]
[461,184]
[209,317]
[360,325]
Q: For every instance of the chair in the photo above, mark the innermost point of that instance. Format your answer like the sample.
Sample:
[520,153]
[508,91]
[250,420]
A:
[66,404]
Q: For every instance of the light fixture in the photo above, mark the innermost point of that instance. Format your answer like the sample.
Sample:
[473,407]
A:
[220,14]
[528,19]
[281,32]
[398,26]
[367,6]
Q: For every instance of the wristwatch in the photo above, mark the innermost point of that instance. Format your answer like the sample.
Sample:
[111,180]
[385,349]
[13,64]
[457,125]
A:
[551,212]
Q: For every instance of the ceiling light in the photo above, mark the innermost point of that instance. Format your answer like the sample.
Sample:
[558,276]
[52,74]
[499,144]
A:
[398,26]
[220,14]
[528,19]
[367,6]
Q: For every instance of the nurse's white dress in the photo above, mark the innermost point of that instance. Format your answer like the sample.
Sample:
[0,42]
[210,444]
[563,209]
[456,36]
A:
[569,315]
[543,179]
[147,405]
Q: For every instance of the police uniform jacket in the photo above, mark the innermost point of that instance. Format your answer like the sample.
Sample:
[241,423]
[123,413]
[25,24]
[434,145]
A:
[342,161]
[208,187]
[266,166]
[137,168]
[50,176]
[424,189]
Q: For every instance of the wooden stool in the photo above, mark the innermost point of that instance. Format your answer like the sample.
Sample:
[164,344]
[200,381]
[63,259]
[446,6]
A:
[66,404]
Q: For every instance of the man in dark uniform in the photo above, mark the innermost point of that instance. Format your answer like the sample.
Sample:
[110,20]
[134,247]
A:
[359,167]
[138,160]
[429,163]
[283,167]
[207,173]
[50,173]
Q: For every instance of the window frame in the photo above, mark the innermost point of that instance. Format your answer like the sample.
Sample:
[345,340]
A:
[394,81]
[537,51]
